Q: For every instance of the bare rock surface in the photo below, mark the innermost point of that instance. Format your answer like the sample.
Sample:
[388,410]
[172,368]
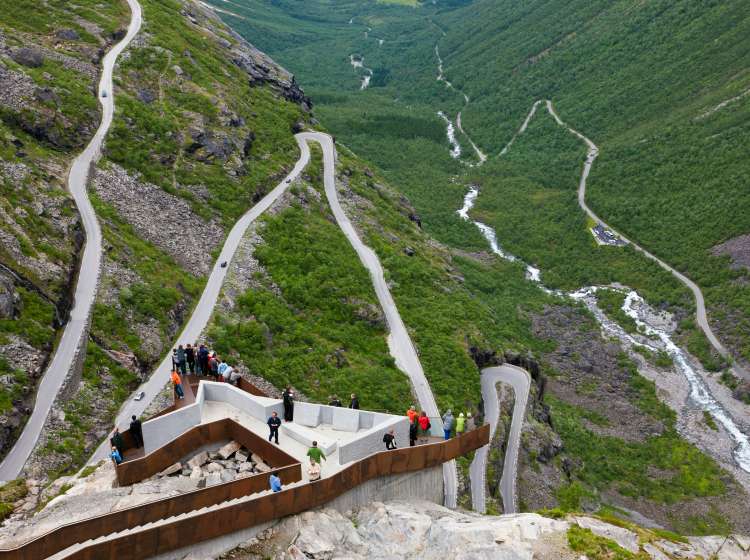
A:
[737,249]
[165,220]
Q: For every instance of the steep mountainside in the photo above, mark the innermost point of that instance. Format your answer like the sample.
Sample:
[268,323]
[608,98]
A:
[49,59]
[380,73]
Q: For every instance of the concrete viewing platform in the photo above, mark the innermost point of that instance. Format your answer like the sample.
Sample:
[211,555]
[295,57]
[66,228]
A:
[345,435]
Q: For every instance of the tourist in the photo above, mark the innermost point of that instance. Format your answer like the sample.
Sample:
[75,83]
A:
[273,423]
[118,442]
[224,370]
[390,440]
[116,456]
[460,424]
[470,425]
[234,376]
[190,356]
[178,385]
[316,453]
[313,471]
[202,360]
[175,365]
[412,414]
[335,401]
[288,396]
[213,365]
[354,403]
[413,434]
[448,421]
[136,431]
[275,483]
[181,360]
[423,427]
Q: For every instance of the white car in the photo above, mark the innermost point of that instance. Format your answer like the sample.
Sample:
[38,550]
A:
[140,395]
[104,93]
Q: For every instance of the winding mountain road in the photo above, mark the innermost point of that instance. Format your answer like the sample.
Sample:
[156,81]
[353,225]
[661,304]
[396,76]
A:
[75,331]
[700,305]
[399,342]
[520,380]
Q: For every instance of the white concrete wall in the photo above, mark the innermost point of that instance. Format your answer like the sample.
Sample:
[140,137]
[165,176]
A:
[259,408]
[162,430]
[371,441]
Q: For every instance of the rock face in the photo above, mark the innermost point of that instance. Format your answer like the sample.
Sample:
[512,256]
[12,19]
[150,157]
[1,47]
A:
[175,228]
[423,530]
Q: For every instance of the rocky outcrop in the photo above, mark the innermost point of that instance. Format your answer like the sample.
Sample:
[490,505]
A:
[422,531]
[165,220]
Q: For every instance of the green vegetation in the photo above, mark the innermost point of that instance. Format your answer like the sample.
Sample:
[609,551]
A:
[709,421]
[316,323]
[14,390]
[595,547]
[11,492]
[610,301]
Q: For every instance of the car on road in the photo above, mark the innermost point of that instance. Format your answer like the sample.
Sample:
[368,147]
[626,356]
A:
[140,395]
[104,93]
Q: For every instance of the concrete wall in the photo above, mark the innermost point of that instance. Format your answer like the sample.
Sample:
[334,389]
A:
[371,441]
[426,484]
[259,408]
[163,429]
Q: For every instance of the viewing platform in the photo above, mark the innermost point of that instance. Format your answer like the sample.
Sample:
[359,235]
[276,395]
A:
[218,438]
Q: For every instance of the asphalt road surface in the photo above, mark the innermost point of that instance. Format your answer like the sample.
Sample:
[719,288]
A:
[520,380]
[85,291]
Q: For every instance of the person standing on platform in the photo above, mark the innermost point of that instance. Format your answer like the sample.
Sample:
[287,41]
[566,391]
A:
[354,403]
[178,385]
[273,423]
[190,357]
[288,396]
[136,431]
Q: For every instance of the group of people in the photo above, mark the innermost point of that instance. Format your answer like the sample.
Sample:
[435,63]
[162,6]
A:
[333,400]
[420,426]
[118,442]
[315,454]
[199,360]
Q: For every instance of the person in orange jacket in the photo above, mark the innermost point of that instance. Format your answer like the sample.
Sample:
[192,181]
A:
[412,414]
[178,385]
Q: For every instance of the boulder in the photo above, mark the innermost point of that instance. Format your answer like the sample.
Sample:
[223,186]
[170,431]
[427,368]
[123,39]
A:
[260,466]
[214,467]
[213,479]
[625,538]
[198,460]
[255,458]
[27,56]
[172,469]
[227,475]
[196,473]
[245,468]
[8,297]
[229,449]
[242,455]
[67,34]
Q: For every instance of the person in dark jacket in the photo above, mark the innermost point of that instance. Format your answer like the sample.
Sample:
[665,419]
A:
[181,360]
[354,403]
[288,396]
[390,440]
[136,431]
[413,434]
[117,441]
[335,401]
[202,360]
[273,423]
[190,357]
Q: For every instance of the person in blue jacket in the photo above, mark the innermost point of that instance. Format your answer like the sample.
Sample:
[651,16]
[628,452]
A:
[275,483]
